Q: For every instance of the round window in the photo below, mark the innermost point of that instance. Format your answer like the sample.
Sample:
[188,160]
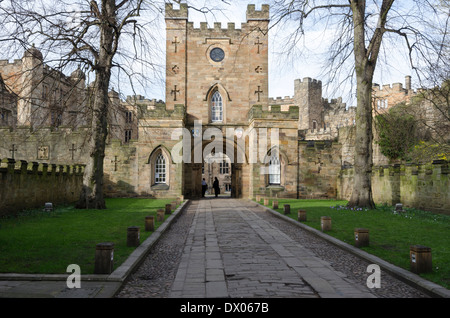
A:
[217,54]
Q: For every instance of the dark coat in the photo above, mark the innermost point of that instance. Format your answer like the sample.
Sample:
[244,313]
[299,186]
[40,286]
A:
[216,186]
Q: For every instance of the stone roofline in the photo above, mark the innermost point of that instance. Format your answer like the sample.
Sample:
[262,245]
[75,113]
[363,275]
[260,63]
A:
[16,62]
[281,100]
[182,14]
[22,166]
[396,87]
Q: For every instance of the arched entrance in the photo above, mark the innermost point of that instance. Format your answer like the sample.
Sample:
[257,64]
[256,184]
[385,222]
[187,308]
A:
[223,165]
[217,166]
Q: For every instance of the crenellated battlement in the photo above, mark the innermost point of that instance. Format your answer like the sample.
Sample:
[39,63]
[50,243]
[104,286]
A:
[253,14]
[394,88]
[317,134]
[217,28]
[29,185]
[16,62]
[422,186]
[308,81]
[39,168]
[159,111]
[281,100]
[275,112]
[181,13]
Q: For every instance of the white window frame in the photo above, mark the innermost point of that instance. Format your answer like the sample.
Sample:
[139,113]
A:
[274,170]
[160,169]
[216,107]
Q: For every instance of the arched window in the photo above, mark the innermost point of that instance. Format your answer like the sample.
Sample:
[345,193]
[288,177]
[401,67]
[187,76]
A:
[160,169]
[216,107]
[274,169]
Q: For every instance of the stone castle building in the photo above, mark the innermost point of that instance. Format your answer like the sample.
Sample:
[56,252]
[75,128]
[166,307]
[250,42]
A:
[216,84]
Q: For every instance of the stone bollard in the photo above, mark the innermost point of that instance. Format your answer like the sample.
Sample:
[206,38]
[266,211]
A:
[149,223]
[174,205]
[361,237]
[420,259]
[160,215]
[266,201]
[258,198]
[133,236]
[301,215]
[178,201]
[275,204]
[287,209]
[104,258]
[168,208]
[325,223]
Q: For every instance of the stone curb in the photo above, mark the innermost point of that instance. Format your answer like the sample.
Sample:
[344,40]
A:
[138,255]
[414,280]
[121,273]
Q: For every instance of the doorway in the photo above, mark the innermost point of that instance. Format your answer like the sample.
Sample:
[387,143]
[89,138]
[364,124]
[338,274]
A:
[218,166]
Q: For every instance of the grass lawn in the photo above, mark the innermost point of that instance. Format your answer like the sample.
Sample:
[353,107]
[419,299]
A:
[38,242]
[390,235]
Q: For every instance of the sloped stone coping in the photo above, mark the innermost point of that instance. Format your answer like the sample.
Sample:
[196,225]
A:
[138,255]
[121,273]
[414,280]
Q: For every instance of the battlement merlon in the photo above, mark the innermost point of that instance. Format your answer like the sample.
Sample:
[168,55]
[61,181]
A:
[257,112]
[253,14]
[25,167]
[396,87]
[171,13]
[217,27]
[307,81]
[160,111]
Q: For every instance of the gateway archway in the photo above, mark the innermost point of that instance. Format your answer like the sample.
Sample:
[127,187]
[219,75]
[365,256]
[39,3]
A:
[233,173]
[218,166]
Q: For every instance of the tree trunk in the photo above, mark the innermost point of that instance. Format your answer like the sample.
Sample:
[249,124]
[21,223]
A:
[91,196]
[364,68]
[362,186]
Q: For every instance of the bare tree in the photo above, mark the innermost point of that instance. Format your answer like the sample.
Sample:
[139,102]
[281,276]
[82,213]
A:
[90,34]
[360,27]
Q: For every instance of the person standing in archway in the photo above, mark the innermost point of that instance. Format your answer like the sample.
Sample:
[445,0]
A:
[204,187]
[216,186]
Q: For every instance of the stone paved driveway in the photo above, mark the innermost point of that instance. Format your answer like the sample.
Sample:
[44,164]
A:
[232,252]
[234,248]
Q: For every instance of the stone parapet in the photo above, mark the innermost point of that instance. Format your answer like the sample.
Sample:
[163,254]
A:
[29,185]
[253,14]
[172,13]
[160,111]
[421,186]
[257,112]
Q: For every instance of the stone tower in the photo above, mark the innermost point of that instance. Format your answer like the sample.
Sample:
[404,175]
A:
[308,97]
[176,54]
[30,93]
[230,61]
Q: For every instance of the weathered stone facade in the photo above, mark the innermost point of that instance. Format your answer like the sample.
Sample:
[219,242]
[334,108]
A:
[424,187]
[216,86]
[27,185]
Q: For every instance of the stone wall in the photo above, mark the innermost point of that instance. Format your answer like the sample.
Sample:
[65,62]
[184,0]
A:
[425,187]
[388,96]
[318,171]
[27,185]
